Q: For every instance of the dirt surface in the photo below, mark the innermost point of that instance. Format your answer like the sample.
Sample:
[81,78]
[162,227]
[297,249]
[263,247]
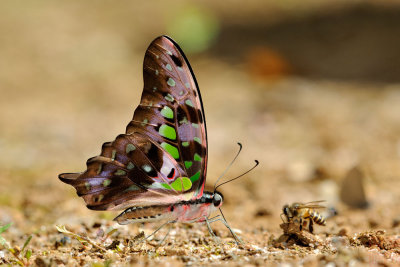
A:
[70,79]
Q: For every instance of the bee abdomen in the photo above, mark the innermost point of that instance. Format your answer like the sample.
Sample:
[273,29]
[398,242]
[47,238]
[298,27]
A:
[318,218]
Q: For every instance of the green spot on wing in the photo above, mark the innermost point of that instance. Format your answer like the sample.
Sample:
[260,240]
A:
[195,177]
[197,139]
[100,168]
[168,66]
[195,125]
[188,164]
[130,166]
[187,183]
[183,121]
[145,121]
[87,185]
[106,182]
[197,157]
[146,168]
[185,144]
[167,131]
[187,85]
[113,153]
[120,172]
[177,185]
[172,150]
[132,188]
[129,148]
[169,97]
[189,103]
[167,112]
[181,184]
[99,198]
[171,82]
[166,186]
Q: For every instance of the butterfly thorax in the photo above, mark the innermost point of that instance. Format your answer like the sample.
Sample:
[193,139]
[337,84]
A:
[185,211]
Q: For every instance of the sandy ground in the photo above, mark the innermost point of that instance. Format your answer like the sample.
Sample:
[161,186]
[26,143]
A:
[67,88]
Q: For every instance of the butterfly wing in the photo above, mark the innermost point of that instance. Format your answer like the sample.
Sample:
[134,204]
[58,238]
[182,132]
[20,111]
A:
[171,110]
[162,157]
[125,174]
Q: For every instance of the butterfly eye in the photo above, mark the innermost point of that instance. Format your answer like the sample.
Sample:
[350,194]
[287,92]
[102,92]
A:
[217,200]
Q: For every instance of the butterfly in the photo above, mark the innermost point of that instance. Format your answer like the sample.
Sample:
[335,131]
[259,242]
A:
[157,169]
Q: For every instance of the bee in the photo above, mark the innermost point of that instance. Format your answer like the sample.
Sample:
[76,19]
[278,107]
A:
[304,212]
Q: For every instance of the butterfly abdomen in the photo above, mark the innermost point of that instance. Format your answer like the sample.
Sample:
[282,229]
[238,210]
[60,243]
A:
[184,211]
[317,217]
[144,214]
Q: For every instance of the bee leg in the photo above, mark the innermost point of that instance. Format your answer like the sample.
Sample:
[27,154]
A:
[301,224]
[310,226]
[284,221]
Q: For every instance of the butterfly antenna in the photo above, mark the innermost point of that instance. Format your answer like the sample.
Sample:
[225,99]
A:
[215,188]
[227,168]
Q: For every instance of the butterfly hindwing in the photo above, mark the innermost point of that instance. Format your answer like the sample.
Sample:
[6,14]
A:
[124,174]
[163,155]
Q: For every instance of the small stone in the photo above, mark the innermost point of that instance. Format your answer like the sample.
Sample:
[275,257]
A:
[373,223]
[262,212]
[343,232]
[41,262]
[96,225]
[396,222]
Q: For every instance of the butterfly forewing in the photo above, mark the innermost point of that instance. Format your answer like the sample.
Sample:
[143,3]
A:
[171,111]
[163,155]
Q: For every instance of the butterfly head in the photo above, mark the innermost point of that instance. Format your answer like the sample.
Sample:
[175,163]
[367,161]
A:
[218,199]
[214,198]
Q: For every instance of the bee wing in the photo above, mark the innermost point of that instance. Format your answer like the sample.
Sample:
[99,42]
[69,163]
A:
[316,206]
[313,205]
[316,201]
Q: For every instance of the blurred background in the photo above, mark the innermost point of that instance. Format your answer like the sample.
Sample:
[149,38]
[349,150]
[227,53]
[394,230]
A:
[311,89]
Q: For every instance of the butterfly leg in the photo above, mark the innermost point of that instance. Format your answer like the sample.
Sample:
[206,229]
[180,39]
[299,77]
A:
[210,230]
[218,218]
[165,237]
[158,229]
